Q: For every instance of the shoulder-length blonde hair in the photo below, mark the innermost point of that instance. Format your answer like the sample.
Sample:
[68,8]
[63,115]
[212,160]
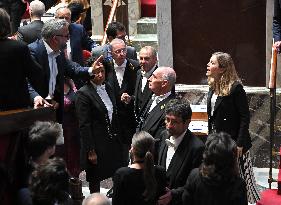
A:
[228,77]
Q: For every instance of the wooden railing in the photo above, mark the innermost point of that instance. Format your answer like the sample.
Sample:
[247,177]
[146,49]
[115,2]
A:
[109,20]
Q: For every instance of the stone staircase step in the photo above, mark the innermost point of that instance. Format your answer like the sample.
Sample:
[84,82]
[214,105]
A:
[141,40]
[147,25]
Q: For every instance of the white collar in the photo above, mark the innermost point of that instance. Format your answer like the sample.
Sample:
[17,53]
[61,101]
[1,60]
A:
[147,74]
[177,141]
[121,66]
[50,50]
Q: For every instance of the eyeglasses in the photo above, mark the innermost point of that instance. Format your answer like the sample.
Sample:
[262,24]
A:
[65,36]
[122,50]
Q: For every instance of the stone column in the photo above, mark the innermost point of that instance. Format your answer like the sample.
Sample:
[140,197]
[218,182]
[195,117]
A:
[164,32]
[134,14]
[97,18]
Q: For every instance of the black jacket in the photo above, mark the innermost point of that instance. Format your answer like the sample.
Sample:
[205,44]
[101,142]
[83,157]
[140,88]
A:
[231,115]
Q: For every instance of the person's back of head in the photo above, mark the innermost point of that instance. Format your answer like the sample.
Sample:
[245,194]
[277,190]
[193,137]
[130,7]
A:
[220,158]
[42,138]
[49,183]
[96,199]
[142,151]
[36,8]
[5,26]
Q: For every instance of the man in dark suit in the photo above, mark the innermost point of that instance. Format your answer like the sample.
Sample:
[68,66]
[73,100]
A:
[15,66]
[277,24]
[32,31]
[121,73]
[79,39]
[53,65]
[180,151]
[114,30]
[152,115]
[142,94]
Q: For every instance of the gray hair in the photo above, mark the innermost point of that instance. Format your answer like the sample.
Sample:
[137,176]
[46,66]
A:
[168,74]
[116,41]
[53,27]
[96,199]
[61,8]
[150,48]
[37,8]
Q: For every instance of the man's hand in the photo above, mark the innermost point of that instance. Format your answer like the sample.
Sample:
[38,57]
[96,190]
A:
[166,198]
[92,157]
[41,102]
[277,45]
[126,98]
[97,64]
[239,151]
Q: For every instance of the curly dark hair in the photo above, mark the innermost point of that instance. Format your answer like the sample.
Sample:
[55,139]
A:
[49,183]
[220,158]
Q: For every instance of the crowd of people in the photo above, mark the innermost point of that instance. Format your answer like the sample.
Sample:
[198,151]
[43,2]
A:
[121,118]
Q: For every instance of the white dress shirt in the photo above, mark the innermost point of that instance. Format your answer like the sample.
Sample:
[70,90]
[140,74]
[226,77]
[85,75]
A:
[158,99]
[213,103]
[105,99]
[68,50]
[120,70]
[53,68]
[172,147]
[145,76]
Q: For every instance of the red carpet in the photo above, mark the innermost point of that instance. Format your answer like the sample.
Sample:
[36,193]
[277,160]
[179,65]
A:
[270,197]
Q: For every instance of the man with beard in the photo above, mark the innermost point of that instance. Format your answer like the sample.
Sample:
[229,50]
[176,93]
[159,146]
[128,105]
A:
[48,55]
[180,151]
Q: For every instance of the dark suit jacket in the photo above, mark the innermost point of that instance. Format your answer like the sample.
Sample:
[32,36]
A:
[277,21]
[79,41]
[65,68]
[188,156]
[103,50]
[125,112]
[30,32]
[231,115]
[141,98]
[98,133]
[15,66]
[154,122]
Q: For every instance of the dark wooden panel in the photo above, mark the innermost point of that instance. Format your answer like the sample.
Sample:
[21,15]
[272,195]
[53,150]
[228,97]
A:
[201,27]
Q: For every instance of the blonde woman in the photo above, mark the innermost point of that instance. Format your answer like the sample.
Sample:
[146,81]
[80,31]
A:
[228,111]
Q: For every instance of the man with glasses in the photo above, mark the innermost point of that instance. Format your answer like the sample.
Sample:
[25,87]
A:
[50,59]
[121,73]
[114,30]
[79,39]
[180,151]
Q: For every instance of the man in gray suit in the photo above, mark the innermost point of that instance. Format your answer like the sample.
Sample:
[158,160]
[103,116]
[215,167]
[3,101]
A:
[114,30]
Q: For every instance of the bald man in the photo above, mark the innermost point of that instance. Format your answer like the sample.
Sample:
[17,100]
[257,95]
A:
[96,199]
